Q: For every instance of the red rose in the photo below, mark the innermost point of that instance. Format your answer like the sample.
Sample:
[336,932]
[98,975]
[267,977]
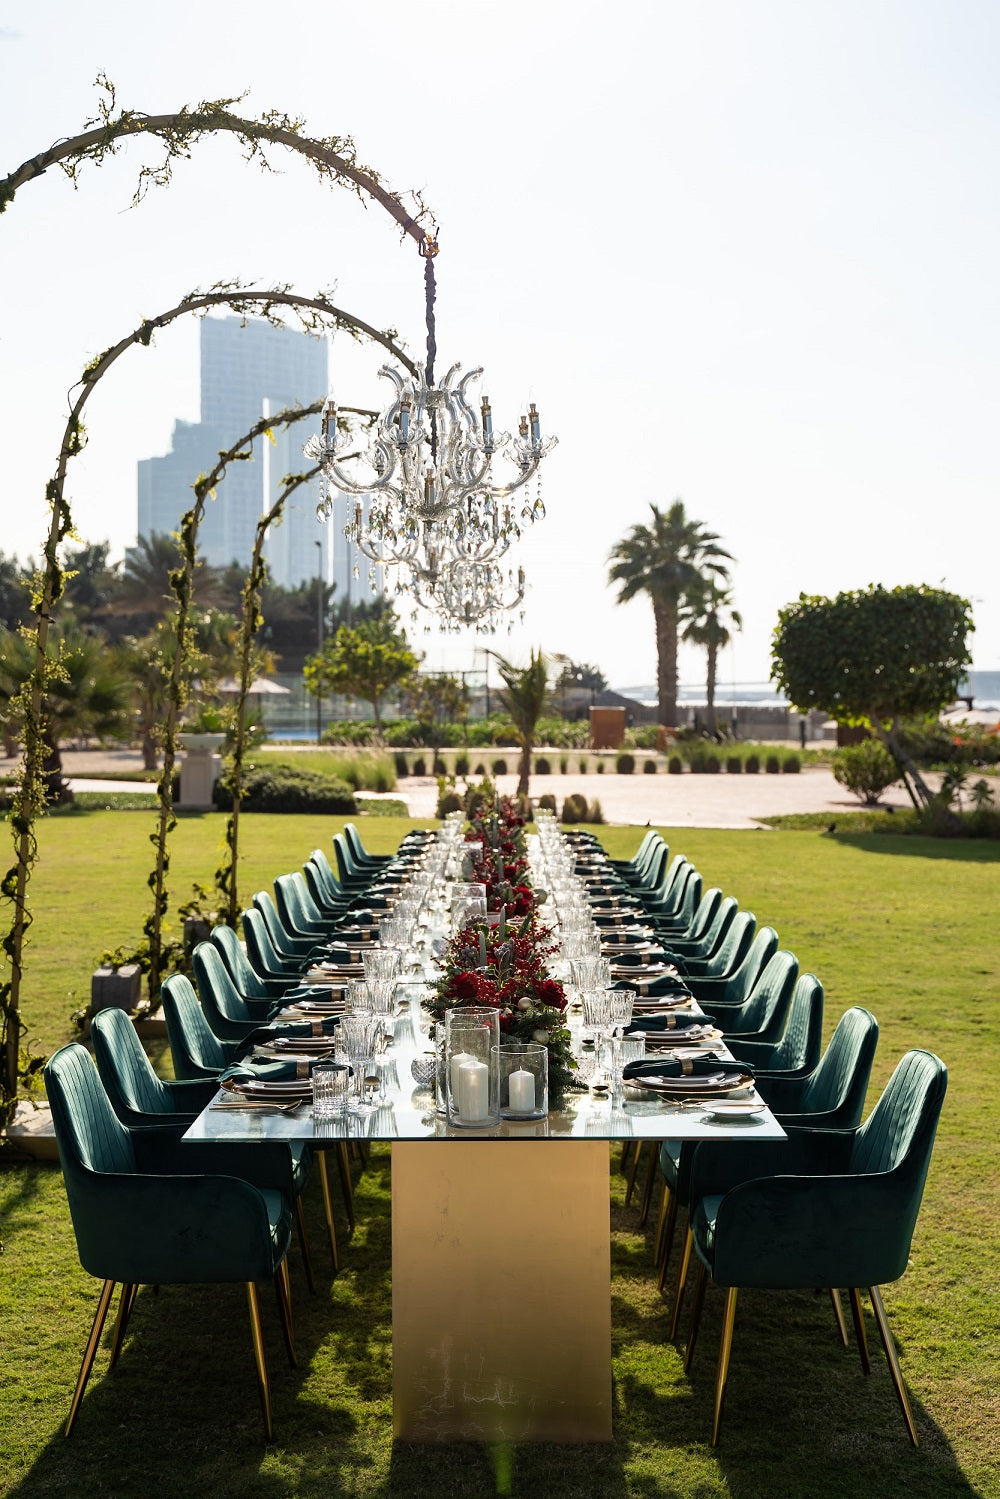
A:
[465,986]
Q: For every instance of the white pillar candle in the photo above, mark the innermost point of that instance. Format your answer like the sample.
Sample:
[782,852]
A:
[522,1091]
[458,1059]
[473,1091]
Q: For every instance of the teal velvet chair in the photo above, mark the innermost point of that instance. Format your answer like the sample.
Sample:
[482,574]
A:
[141,1100]
[831,1096]
[704,938]
[728,954]
[734,986]
[763,1014]
[797,1051]
[196,1051]
[248,982]
[141,1217]
[297,910]
[635,869]
[264,957]
[823,1209]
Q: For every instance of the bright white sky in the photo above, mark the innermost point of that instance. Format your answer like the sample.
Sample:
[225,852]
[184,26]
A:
[743,252]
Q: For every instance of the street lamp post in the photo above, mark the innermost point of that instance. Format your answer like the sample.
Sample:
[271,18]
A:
[319,638]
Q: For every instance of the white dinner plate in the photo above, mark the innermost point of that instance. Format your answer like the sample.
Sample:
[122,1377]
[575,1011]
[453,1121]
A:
[734,1110]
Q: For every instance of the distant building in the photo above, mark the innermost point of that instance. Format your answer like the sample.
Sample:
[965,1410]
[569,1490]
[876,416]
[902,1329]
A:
[246,372]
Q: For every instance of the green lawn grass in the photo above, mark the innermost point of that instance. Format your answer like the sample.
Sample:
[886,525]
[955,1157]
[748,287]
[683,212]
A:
[903,926]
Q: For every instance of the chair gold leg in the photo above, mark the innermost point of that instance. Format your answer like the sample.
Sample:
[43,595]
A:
[652,1172]
[300,1223]
[696,1306]
[838,1312]
[667,1237]
[331,1227]
[125,1304]
[857,1316]
[627,1148]
[661,1219]
[681,1279]
[344,1166]
[283,1291]
[633,1170]
[893,1361]
[97,1327]
[725,1349]
[257,1334]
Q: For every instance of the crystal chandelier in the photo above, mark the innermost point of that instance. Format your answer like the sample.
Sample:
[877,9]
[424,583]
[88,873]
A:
[428,475]
[467,595]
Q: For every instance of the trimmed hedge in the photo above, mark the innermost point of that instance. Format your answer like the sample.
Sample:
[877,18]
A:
[649,767]
[286,790]
[625,765]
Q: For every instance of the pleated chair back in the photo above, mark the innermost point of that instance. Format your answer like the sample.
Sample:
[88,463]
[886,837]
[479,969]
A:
[287,944]
[296,908]
[838,1085]
[90,1137]
[688,903]
[224,1007]
[799,1049]
[196,1050]
[701,949]
[704,917]
[765,1012]
[126,1071]
[262,953]
[242,972]
[733,948]
[329,883]
[361,856]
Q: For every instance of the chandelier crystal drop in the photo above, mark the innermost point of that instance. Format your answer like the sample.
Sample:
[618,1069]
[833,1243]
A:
[428,474]
[467,595]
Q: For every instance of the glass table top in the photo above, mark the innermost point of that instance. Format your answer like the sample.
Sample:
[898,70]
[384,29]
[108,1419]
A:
[409,1111]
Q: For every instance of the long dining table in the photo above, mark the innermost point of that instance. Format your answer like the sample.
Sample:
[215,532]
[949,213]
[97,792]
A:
[501,1254]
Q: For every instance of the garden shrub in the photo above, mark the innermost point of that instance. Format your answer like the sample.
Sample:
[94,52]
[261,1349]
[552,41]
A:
[547,802]
[625,765]
[734,765]
[401,763]
[584,765]
[698,762]
[865,769]
[791,765]
[480,769]
[595,813]
[675,765]
[649,767]
[462,764]
[600,767]
[543,766]
[440,768]
[773,765]
[564,765]
[751,765]
[420,766]
[499,767]
[712,765]
[574,808]
[284,789]
[448,801]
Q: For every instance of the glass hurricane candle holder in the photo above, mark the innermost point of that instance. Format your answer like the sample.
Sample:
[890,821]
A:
[524,1081]
[471,1067]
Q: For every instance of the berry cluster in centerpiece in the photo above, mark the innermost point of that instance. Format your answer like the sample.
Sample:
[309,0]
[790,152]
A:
[502,962]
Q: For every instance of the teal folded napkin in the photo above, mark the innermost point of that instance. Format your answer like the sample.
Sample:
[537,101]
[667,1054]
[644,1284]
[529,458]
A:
[261,1072]
[704,1067]
[668,1023]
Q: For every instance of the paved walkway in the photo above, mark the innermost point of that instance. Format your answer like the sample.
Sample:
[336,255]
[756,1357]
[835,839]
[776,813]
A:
[685,801]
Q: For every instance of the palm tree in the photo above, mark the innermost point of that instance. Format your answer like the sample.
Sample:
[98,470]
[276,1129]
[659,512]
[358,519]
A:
[87,694]
[670,559]
[524,700]
[708,612]
[142,589]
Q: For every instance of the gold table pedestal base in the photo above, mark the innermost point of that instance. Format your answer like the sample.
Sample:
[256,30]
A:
[501,1291]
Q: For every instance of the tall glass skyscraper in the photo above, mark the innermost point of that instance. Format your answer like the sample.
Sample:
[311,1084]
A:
[246,372]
